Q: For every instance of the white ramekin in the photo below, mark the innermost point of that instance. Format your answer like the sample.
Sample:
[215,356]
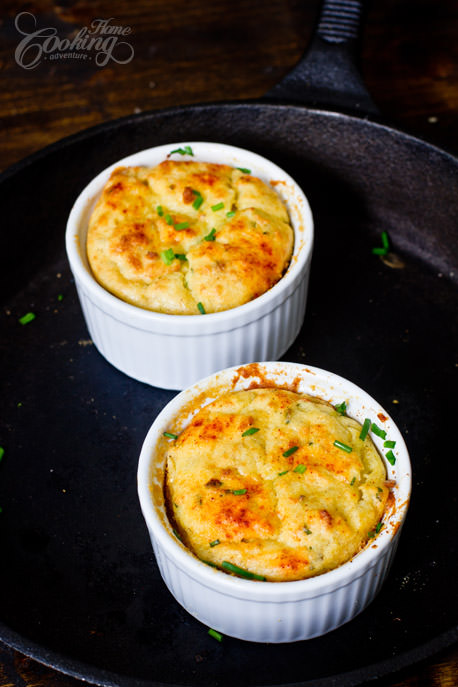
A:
[174,351]
[271,611]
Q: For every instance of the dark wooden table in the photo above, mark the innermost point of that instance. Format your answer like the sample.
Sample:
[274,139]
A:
[194,51]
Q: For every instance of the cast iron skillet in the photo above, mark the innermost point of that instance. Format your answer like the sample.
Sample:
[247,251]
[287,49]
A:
[79,585]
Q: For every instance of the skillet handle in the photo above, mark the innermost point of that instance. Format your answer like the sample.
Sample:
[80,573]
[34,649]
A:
[327,75]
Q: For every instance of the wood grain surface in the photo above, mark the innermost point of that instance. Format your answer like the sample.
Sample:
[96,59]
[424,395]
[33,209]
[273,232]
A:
[188,51]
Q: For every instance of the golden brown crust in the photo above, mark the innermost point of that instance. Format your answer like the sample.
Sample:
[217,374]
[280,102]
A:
[150,243]
[283,501]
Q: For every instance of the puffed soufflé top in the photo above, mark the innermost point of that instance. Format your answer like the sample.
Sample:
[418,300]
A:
[275,482]
[188,237]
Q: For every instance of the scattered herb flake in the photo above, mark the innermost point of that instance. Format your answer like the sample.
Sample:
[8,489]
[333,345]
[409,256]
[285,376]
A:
[230,214]
[211,235]
[186,150]
[379,432]
[216,635]
[169,219]
[391,458]
[290,451]
[342,446]
[301,468]
[159,210]
[249,431]
[218,206]
[230,567]
[280,474]
[169,435]
[389,444]
[201,308]
[353,481]
[28,317]
[365,429]
[306,530]
[239,492]
[244,170]
[167,256]
[198,200]
[181,225]
[215,542]
[341,408]
[60,296]
[180,256]
[2,452]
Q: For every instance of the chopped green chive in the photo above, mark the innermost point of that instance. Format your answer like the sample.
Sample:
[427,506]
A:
[341,408]
[378,527]
[28,317]
[290,451]
[198,201]
[379,432]
[230,567]
[177,535]
[280,474]
[379,251]
[342,446]
[239,492]
[301,468]
[2,452]
[169,435]
[353,481]
[389,444]
[249,431]
[216,635]
[244,170]
[167,256]
[211,235]
[201,308]
[215,542]
[230,214]
[187,150]
[181,225]
[306,530]
[168,219]
[385,240]
[180,256]
[365,429]
[60,297]
[218,206]
[212,565]
[159,210]
[385,247]
[391,458]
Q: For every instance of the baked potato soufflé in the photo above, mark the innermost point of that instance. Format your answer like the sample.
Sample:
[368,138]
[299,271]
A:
[276,483]
[188,237]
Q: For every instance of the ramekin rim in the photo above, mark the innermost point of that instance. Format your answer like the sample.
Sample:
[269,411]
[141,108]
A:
[299,259]
[218,579]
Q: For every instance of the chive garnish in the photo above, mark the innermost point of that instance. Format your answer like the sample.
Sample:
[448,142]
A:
[218,206]
[177,535]
[301,468]
[389,444]
[180,256]
[187,150]
[216,635]
[198,201]
[239,492]
[211,235]
[230,567]
[215,542]
[167,256]
[378,527]
[230,214]
[28,317]
[280,474]
[385,240]
[384,249]
[249,431]
[2,452]
[353,481]
[379,432]
[391,458]
[290,451]
[306,530]
[341,408]
[169,435]
[342,446]
[168,219]
[244,170]
[201,308]
[60,296]
[181,225]
[159,210]
[365,429]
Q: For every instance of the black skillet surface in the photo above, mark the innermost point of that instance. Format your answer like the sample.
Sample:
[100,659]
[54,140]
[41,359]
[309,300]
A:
[80,589]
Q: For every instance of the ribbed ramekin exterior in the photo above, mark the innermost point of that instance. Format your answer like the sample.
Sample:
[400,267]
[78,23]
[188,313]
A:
[177,361]
[274,621]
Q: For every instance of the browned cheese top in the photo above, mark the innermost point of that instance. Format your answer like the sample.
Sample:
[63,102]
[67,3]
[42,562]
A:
[257,480]
[188,237]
